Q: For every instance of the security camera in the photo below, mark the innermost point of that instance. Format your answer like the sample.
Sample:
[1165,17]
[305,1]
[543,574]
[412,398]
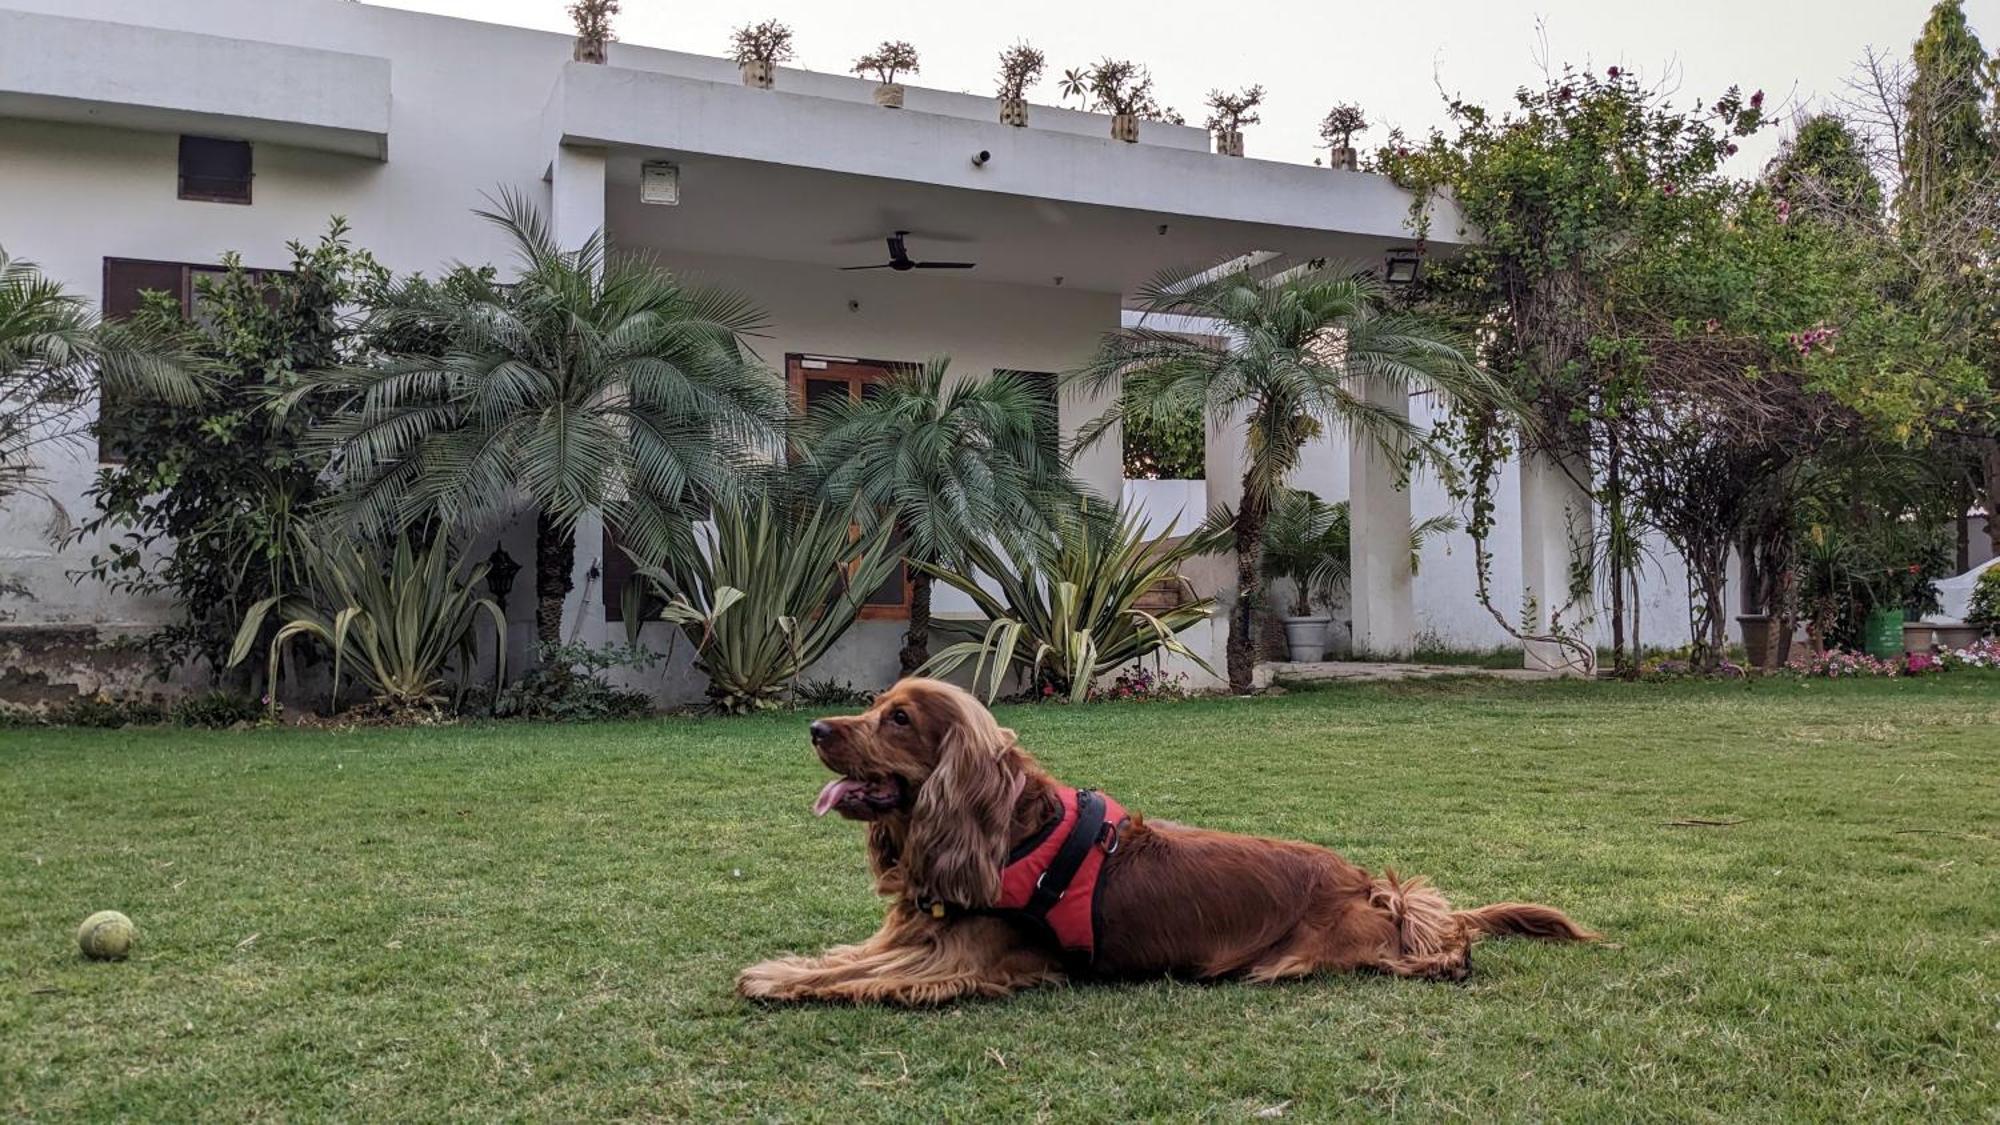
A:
[980,158]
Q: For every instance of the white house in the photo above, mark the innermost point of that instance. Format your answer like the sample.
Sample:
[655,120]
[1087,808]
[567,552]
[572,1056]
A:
[141,139]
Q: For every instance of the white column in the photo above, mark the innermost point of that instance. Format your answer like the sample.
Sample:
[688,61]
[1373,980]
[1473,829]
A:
[1556,516]
[576,211]
[1101,468]
[1379,582]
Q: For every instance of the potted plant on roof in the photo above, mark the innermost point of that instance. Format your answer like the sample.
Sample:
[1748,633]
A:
[593,28]
[1020,67]
[1228,113]
[758,49]
[885,62]
[1342,122]
[1121,88]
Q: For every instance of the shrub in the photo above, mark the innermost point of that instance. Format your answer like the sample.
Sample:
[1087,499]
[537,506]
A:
[207,505]
[567,685]
[769,42]
[776,588]
[215,710]
[827,693]
[1068,609]
[1164,439]
[1141,684]
[1837,663]
[399,625]
[1337,129]
[105,712]
[1983,654]
[888,60]
[1230,112]
[1020,66]
[1311,542]
[1984,609]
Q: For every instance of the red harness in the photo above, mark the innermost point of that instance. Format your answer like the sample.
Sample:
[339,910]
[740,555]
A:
[1054,881]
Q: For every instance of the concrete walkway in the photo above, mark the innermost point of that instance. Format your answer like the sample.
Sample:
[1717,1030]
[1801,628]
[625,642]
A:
[1371,672]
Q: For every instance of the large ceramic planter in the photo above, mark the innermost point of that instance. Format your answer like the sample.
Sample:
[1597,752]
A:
[1343,159]
[1882,634]
[1766,642]
[889,95]
[1014,111]
[1305,638]
[590,51]
[757,73]
[1229,142]
[1125,127]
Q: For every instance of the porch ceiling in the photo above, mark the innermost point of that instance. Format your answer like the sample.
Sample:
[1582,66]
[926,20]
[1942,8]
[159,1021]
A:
[824,220]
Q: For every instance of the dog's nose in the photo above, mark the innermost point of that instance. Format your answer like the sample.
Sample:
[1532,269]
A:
[821,731]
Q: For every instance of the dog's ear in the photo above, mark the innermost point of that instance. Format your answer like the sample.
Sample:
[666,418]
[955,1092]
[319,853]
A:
[957,841]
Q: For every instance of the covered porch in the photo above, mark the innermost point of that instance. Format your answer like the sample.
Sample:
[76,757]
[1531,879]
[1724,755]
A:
[775,194]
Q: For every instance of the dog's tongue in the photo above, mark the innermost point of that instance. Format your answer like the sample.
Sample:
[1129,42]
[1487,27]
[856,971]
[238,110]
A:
[830,796]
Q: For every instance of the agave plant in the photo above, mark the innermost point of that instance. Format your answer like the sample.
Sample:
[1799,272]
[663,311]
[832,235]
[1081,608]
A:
[1068,609]
[1311,542]
[399,627]
[774,590]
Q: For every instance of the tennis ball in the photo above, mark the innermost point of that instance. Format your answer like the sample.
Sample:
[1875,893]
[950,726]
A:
[107,936]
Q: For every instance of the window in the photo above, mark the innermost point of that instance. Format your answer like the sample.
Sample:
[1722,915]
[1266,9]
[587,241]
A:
[816,379]
[126,281]
[215,171]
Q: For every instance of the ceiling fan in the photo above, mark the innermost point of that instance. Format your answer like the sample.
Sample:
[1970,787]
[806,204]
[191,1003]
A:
[899,259]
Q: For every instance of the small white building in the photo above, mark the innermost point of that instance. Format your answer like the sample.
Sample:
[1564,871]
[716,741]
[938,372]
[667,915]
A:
[141,139]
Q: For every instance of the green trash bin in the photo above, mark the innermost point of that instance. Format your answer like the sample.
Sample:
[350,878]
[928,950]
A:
[1882,634]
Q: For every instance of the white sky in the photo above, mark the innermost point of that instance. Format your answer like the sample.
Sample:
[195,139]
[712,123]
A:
[1389,57]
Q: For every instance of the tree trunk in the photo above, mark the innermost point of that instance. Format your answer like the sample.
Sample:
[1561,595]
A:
[1243,631]
[555,558]
[1992,463]
[917,640]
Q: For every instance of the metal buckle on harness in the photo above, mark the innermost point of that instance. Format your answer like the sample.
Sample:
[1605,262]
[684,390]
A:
[1038,886]
[1110,839]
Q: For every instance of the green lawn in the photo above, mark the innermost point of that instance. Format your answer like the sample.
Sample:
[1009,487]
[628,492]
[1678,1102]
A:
[545,921]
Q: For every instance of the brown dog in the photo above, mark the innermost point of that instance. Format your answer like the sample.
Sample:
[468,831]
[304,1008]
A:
[955,809]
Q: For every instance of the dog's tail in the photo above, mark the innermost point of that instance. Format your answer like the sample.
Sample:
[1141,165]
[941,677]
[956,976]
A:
[1523,919]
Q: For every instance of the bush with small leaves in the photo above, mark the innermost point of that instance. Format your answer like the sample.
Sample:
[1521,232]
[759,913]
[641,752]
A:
[215,710]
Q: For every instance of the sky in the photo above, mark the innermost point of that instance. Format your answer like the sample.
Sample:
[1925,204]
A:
[1396,60]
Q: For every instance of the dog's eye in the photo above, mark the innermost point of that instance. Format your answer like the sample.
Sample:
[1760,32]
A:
[900,717]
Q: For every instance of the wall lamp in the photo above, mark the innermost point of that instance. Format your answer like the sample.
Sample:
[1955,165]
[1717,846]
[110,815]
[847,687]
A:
[1402,267]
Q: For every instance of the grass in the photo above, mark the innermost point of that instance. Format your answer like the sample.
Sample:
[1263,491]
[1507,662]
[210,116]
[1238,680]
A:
[1501,657]
[521,921]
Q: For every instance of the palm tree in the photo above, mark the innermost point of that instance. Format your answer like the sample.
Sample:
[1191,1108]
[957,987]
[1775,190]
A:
[949,466]
[591,382]
[1290,356]
[53,347]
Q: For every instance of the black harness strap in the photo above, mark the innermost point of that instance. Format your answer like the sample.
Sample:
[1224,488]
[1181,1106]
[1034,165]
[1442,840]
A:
[1083,836]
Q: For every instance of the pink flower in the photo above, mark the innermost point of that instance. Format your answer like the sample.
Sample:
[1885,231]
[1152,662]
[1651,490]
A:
[1613,73]
[1757,100]
[1713,326]
[1729,149]
[1668,189]
[1784,211]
